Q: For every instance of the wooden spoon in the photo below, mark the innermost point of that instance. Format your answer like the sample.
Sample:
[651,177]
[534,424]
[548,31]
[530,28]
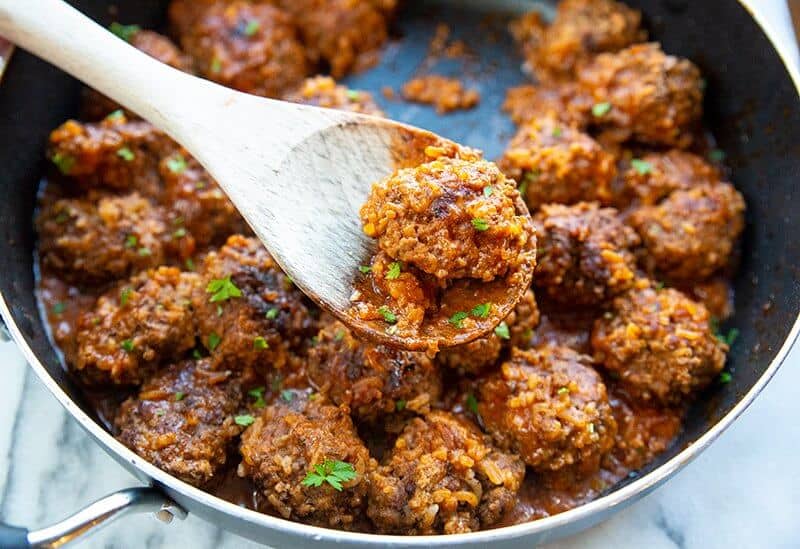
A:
[298,174]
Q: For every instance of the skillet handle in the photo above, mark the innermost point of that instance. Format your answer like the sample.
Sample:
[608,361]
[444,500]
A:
[92,518]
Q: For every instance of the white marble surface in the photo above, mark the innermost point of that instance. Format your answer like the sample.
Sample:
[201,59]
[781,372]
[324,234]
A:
[744,492]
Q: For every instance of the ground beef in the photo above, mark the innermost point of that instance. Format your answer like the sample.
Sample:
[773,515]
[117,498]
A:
[135,326]
[554,162]
[323,91]
[564,100]
[584,253]
[114,153]
[692,233]
[643,94]
[440,218]
[93,240]
[261,316]
[581,29]
[443,476]
[446,94]
[372,380]
[515,331]
[286,443]
[650,178]
[96,105]
[199,210]
[551,407]
[659,344]
[341,36]
[251,47]
[182,420]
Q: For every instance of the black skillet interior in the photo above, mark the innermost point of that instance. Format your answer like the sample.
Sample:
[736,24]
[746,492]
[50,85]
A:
[752,107]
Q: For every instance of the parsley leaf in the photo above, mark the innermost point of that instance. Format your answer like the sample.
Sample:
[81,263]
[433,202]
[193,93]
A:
[127,345]
[213,341]
[457,319]
[642,167]
[717,155]
[222,289]
[365,269]
[259,343]
[176,164]
[59,308]
[487,191]
[502,331]
[124,296]
[244,420]
[272,313]
[601,109]
[126,154]
[394,271]
[482,310]
[252,27]
[332,472]
[353,95]
[472,404]
[387,314]
[557,131]
[480,224]
[125,32]
[258,394]
[180,395]
[63,162]
[287,395]
[725,377]
[400,405]
[131,241]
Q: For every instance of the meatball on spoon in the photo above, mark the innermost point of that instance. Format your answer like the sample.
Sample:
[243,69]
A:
[298,174]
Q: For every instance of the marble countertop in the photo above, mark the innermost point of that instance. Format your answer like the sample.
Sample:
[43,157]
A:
[743,492]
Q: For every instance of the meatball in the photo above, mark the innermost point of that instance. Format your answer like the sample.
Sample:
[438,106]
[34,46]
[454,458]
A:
[444,93]
[692,233]
[584,253]
[341,35]
[581,29]
[643,94]
[516,330]
[652,177]
[443,476]
[659,344]
[198,207]
[158,46]
[145,320]
[551,407]
[554,162]
[248,312]
[323,91]
[293,439]
[564,100]
[450,218]
[91,241]
[372,380]
[251,47]
[183,420]
[114,153]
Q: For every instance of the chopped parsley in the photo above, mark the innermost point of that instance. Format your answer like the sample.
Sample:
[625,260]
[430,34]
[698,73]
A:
[394,270]
[387,314]
[196,354]
[259,343]
[480,224]
[59,308]
[716,155]
[127,345]
[213,341]
[176,164]
[332,472]
[216,65]
[601,109]
[116,116]
[160,412]
[179,233]
[222,289]
[487,191]
[63,162]
[563,390]
[258,394]
[144,251]
[528,178]
[131,241]
[287,395]
[125,32]
[272,313]
[252,27]
[180,395]
[472,404]
[190,264]
[126,154]
[642,167]
[365,269]
[62,217]
[244,420]
[124,296]
[482,310]
[659,285]
[353,95]
[339,335]
[502,331]
[400,405]
[730,337]
[557,131]
[725,377]
[457,319]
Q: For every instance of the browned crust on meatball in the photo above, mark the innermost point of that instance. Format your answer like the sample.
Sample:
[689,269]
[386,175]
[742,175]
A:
[287,441]
[659,344]
[323,91]
[182,421]
[443,476]
[584,255]
[135,326]
[564,100]
[692,233]
[551,407]
[555,162]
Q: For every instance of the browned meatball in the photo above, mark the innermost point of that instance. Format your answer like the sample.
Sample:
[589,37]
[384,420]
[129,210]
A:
[251,47]
[692,233]
[372,380]
[443,476]
[440,218]
[323,91]
[551,407]
[341,35]
[554,162]
[564,100]
[248,312]
[643,94]
[516,330]
[183,420]
[581,29]
[114,153]
[132,328]
[648,179]
[290,440]
[659,343]
[97,105]
[199,209]
[584,253]
[91,241]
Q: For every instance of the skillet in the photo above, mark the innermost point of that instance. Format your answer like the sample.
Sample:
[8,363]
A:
[752,107]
